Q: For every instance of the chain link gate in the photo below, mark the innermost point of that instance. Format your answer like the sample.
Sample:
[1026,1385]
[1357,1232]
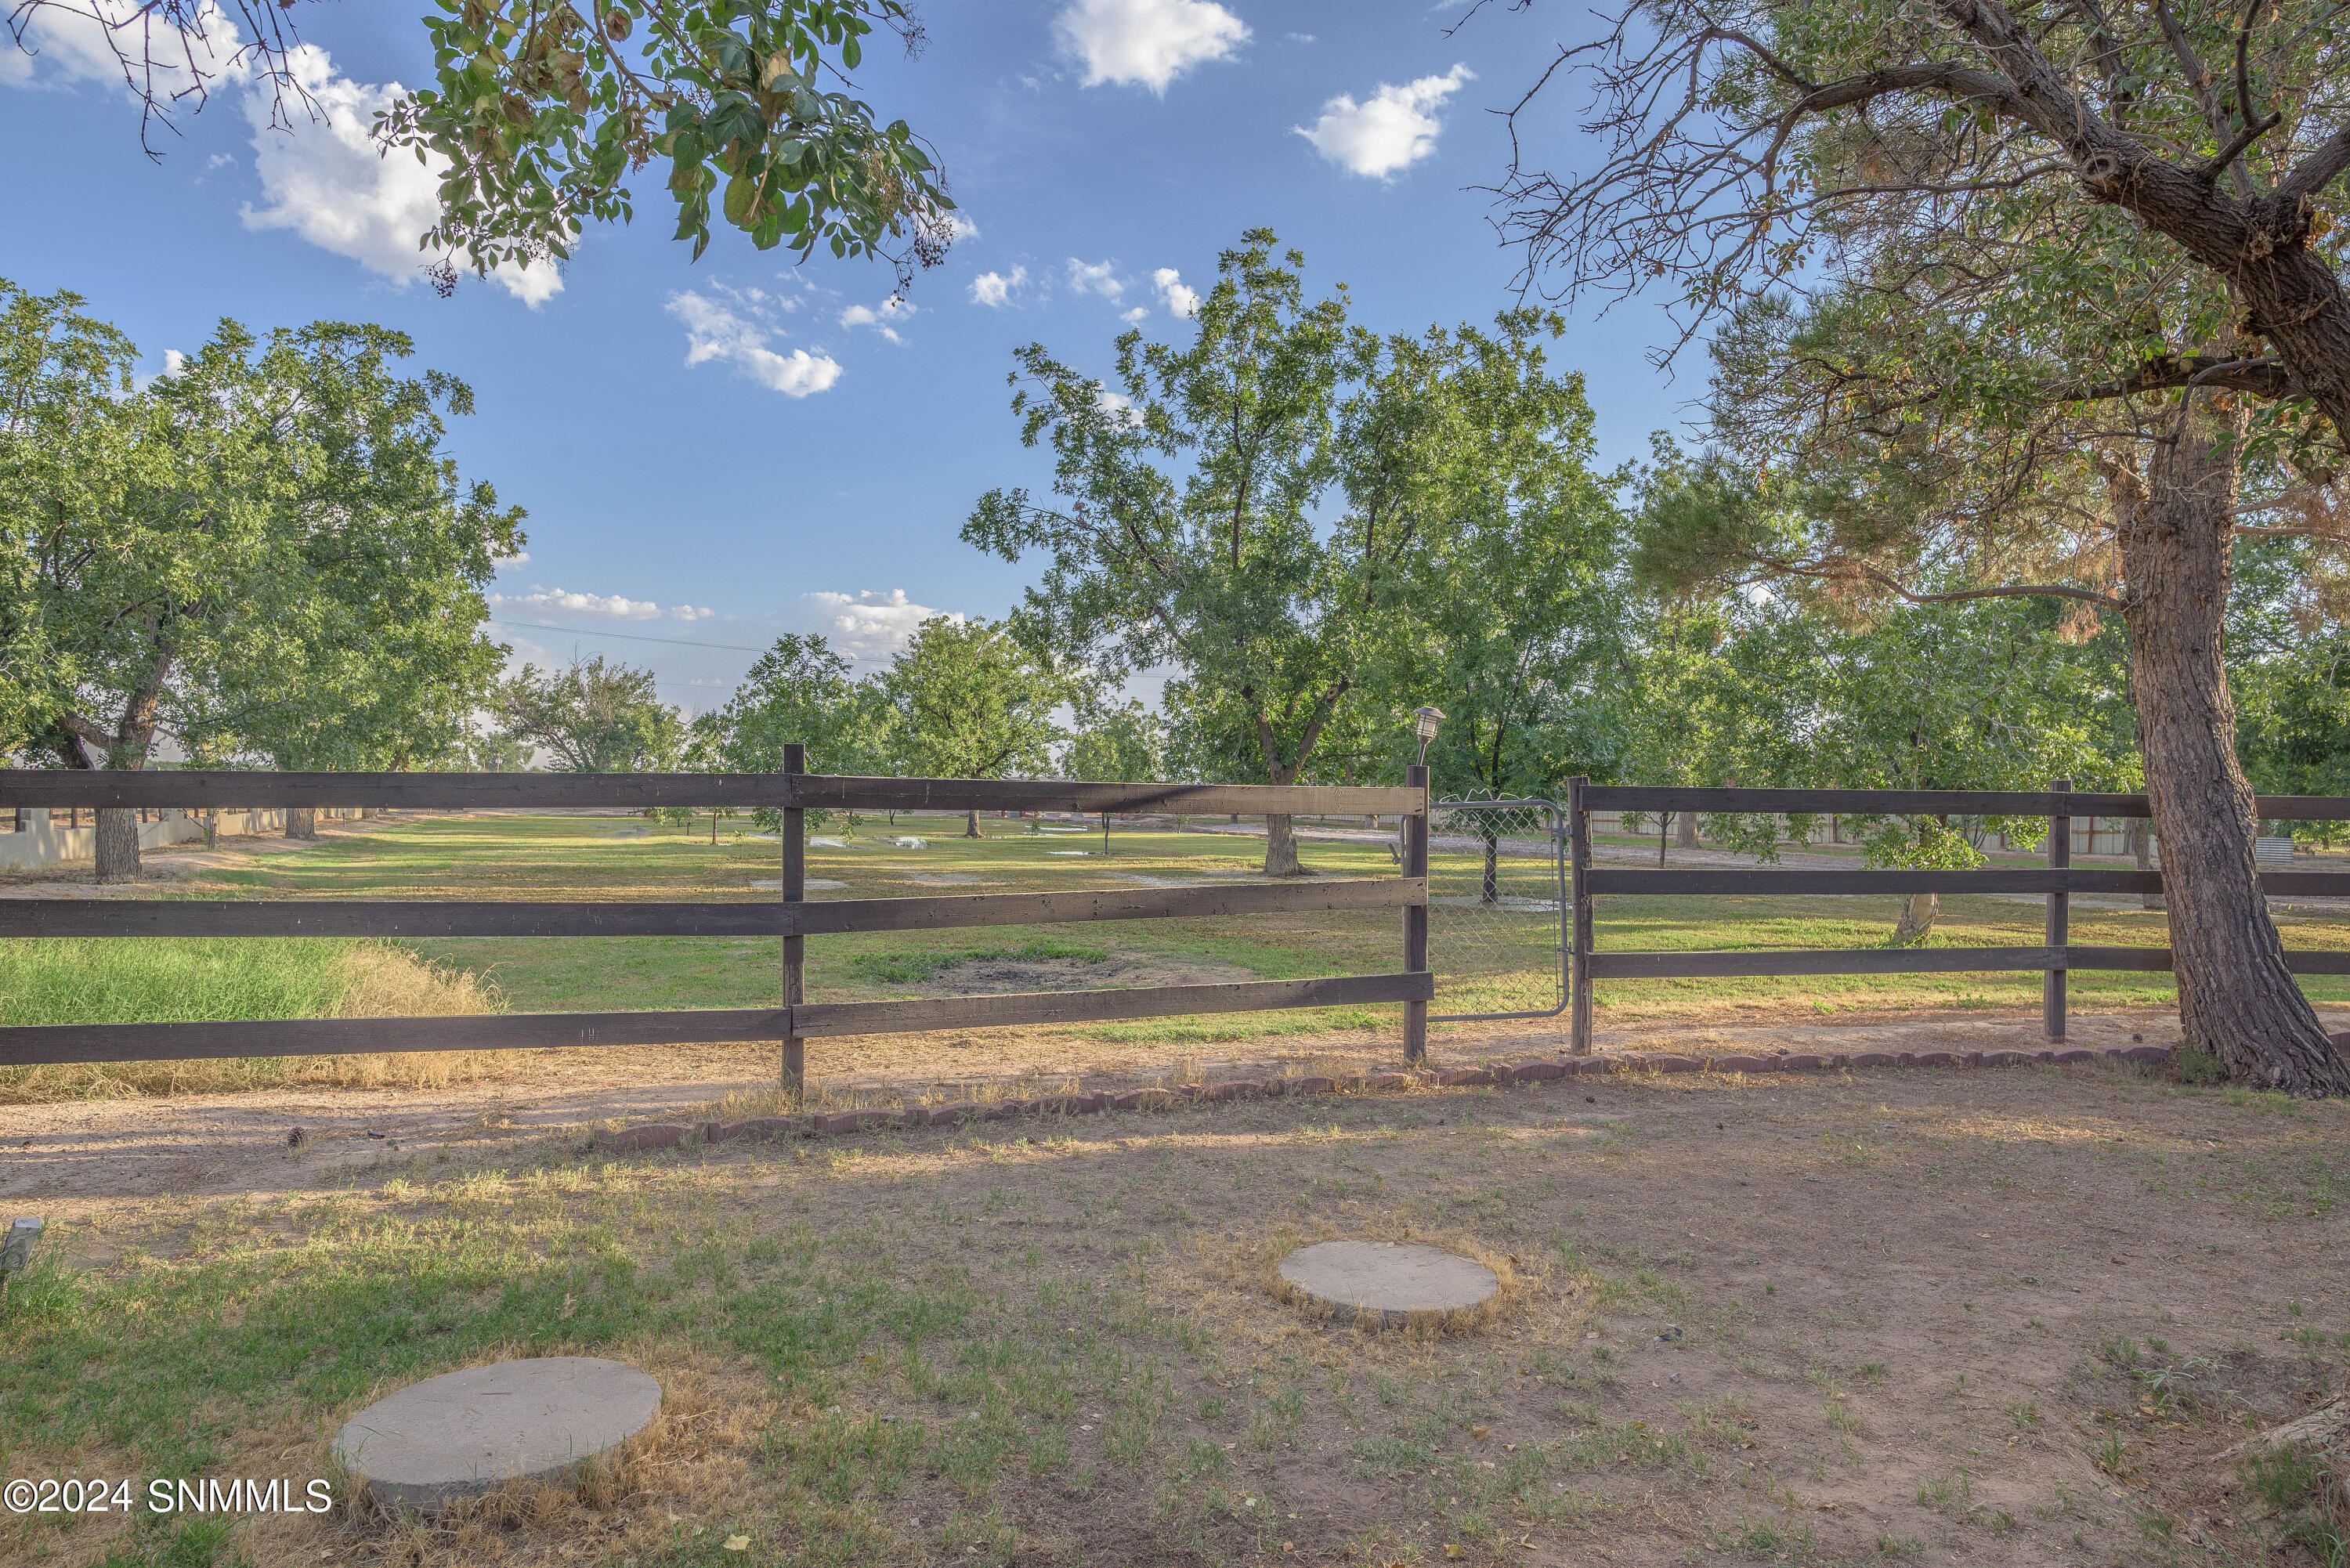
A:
[1496,907]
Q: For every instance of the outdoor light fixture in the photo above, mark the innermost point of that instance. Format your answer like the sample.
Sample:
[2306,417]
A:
[1424,722]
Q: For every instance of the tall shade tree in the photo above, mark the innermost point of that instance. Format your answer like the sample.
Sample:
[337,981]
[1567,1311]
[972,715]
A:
[1261,506]
[800,690]
[188,557]
[971,702]
[2066,320]
[1518,607]
[1114,741]
[596,718]
[540,112]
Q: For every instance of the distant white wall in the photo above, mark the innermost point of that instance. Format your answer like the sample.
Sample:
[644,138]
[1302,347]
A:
[43,839]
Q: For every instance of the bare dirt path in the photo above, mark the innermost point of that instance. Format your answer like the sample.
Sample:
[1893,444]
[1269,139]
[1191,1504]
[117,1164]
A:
[60,1158]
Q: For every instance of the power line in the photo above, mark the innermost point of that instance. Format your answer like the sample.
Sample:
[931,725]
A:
[629,636]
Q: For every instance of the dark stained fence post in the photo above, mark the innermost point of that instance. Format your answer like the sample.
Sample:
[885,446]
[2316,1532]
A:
[1415,916]
[1578,832]
[2060,856]
[794,837]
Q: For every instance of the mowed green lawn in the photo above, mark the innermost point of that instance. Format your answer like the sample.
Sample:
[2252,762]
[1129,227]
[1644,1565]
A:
[1486,960]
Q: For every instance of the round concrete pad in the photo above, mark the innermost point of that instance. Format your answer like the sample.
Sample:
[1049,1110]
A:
[468,1432]
[1387,1283]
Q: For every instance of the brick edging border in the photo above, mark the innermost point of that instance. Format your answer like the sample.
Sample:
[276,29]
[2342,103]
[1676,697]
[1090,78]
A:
[672,1134]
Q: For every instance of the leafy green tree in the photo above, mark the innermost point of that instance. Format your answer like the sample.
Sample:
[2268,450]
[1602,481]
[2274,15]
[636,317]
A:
[1981,696]
[1518,608]
[1260,506]
[497,752]
[541,112]
[1114,741]
[970,702]
[2289,664]
[801,691]
[265,554]
[2064,285]
[596,718]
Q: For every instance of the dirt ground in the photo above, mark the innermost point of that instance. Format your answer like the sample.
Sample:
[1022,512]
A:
[64,1155]
[1989,1316]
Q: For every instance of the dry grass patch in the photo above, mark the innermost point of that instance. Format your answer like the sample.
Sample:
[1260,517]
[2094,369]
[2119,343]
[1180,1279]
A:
[1991,1317]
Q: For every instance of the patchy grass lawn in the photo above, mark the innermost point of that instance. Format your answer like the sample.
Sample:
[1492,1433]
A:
[1999,1317]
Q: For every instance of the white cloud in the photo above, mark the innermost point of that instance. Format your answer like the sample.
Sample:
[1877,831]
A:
[880,316]
[996,289]
[960,228]
[542,600]
[173,361]
[1297,37]
[65,45]
[736,331]
[872,626]
[519,558]
[1180,297]
[1396,129]
[1136,313]
[1116,405]
[328,181]
[1097,278]
[561,601]
[1145,43]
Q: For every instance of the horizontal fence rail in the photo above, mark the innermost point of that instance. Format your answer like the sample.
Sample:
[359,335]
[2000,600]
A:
[46,1044]
[790,918]
[2055,883]
[2000,880]
[1930,803]
[197,791]
[1908,961]
[484,917]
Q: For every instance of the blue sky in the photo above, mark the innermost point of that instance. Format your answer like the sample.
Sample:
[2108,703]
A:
[721,451]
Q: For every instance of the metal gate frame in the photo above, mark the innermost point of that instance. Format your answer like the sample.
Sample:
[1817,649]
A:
[1558,838]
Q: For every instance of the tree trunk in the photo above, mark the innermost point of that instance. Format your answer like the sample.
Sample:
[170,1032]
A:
[971,825]
[301,822]
[2236,999]
[2141,845]
[117,844]
[1916,918]
[1281,849]
[1490,892]
[1685,831]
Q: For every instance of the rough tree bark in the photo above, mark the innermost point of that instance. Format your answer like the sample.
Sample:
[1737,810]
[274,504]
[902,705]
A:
[301,822]
[1685,830]
[118,844]
[970,826]
[2236,997]
[1281,849]
[1918,914]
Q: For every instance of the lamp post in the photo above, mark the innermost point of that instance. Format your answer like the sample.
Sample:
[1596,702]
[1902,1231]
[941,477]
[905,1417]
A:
[1424,722]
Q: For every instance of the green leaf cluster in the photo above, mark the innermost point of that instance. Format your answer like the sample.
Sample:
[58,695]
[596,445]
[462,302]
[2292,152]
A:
[264,554]
[542,110]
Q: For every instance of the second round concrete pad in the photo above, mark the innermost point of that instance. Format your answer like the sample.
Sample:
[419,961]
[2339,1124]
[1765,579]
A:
[467,1432]
[1386,1282]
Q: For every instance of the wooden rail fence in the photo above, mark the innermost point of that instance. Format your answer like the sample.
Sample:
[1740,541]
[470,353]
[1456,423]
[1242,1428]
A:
[791,793]
[2056,957]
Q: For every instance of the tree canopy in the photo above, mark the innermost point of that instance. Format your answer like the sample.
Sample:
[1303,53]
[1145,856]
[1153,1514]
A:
[594,717]
[263,554]
[1276,506]
[540,113]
